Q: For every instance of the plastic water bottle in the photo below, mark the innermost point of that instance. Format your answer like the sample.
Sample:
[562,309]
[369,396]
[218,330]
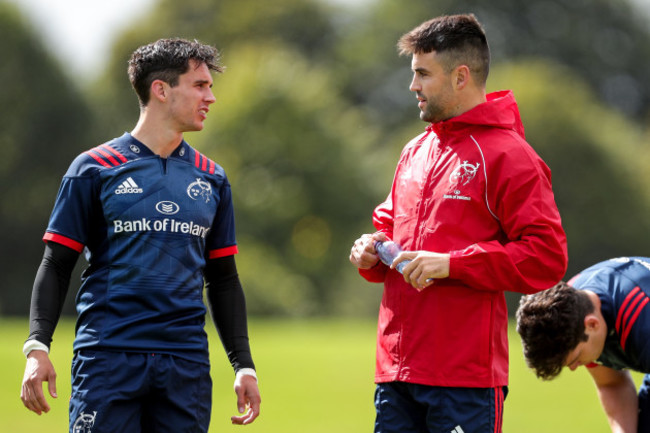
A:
[387,252]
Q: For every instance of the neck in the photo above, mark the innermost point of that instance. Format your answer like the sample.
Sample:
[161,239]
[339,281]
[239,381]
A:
[162,141]
[473,99]
[467,100]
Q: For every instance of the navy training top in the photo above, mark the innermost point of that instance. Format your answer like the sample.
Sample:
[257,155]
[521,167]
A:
[623,286]
[147,225]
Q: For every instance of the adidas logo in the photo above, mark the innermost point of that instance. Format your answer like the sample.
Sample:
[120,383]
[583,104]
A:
[457,429]
[128,187]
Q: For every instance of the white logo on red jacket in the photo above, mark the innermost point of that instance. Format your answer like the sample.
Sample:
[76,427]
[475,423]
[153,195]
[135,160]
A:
[461,176]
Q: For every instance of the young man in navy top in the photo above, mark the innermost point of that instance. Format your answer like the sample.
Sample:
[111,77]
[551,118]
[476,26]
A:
[600,319]
[155,220]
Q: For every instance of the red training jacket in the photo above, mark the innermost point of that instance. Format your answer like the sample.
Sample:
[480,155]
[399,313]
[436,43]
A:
[470,186]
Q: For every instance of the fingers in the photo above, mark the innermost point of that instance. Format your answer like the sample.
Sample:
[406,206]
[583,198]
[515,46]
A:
[423,283]
[51,386]
[355,253]
[417,278]
[32,396]
[245,419]
[248,400]
[363,254]
[425,267]
[416,272]
[38,369]
[252,411]
[242,400]
[29,400]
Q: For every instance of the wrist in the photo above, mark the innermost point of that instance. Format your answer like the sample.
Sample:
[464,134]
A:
[245,372]
[31,345]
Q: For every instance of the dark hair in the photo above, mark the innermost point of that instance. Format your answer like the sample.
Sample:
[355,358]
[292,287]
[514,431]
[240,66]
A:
[551,324]
[459,39]
[166,60]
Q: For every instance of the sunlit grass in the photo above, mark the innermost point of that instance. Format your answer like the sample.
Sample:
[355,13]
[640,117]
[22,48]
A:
[315,376]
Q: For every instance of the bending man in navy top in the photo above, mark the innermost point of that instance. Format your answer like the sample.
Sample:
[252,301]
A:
[600,319]
[155,219]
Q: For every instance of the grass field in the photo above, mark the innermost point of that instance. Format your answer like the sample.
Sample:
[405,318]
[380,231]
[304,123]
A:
[315,376]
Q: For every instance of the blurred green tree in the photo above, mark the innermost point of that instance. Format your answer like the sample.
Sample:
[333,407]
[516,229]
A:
[311,114]
[43,126]
[605,41]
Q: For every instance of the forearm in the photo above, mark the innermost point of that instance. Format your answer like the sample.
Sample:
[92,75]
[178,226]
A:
[229,315]
[617,394]
[526,266]
[49,291]
[227,304]
[621,406]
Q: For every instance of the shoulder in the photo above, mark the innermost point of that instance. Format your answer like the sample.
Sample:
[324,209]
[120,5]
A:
[633,268]
[501,142]
[598,278]
[111,154]
[422,141]
[506,152]
[622,280]
[206,165]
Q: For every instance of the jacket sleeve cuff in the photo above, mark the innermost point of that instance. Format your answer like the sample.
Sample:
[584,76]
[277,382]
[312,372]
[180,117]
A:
[376,274]
[456,269]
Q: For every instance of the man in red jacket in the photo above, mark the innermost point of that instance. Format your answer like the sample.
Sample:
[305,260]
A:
[473,208]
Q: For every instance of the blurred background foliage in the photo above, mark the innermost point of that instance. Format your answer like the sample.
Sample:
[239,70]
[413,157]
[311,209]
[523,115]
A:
[311,114]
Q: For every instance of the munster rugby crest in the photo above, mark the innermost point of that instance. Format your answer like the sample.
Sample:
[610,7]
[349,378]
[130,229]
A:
[84,423]
[199,189]
[462,175]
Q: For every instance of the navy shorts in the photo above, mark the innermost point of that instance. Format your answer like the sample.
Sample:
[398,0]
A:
[116,392]
[407,407]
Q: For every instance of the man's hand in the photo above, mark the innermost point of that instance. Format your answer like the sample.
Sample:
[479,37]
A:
[38,369]
[248,399]
[363,254]
[424,269]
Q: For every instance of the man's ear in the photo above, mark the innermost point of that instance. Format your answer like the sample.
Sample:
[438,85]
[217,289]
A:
[158,90]
[461,77]
[592,322]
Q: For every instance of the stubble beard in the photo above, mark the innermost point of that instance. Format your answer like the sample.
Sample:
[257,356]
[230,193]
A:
[431,113]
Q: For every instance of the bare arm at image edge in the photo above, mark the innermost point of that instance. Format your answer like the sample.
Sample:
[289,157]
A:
[617,394]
